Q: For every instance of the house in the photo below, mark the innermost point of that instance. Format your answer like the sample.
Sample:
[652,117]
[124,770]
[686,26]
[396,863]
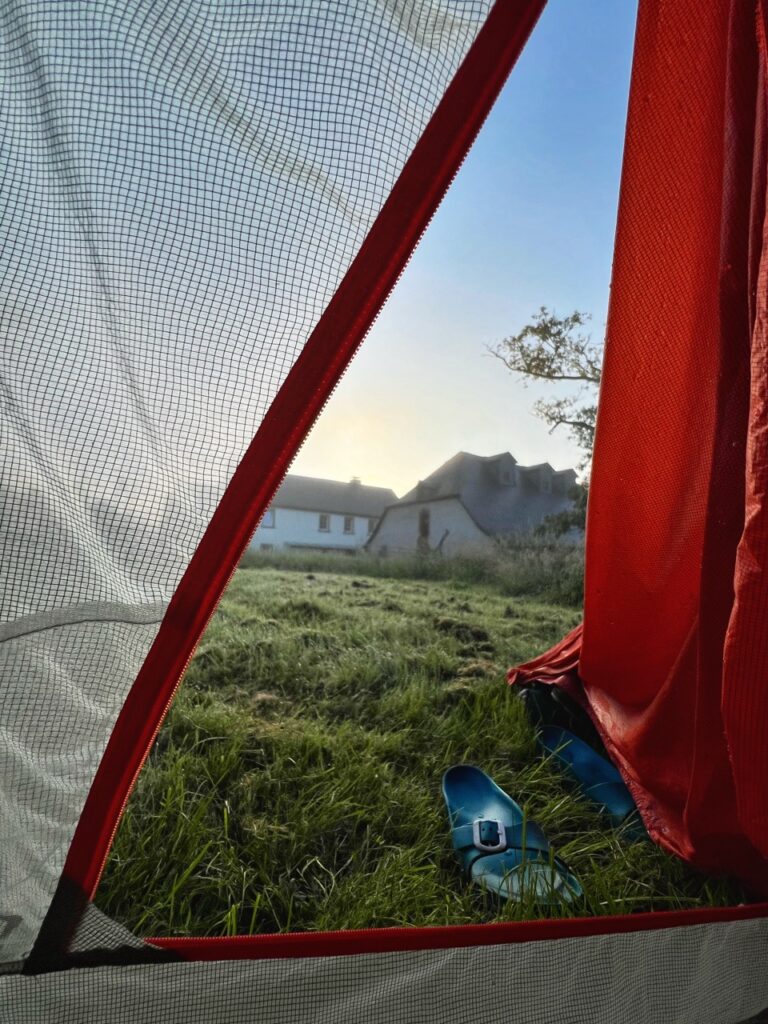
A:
[470,503]
[322,515]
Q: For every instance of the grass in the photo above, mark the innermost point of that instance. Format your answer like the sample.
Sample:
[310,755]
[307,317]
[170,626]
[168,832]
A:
[532,567]
[296,782]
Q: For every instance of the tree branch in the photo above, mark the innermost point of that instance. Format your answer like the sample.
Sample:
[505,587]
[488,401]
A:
[554,349]
[583,424]
[541,374]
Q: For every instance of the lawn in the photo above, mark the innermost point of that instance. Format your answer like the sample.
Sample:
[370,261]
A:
[296,782]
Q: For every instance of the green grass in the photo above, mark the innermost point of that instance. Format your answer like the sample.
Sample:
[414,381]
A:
[531,567]
[296,782]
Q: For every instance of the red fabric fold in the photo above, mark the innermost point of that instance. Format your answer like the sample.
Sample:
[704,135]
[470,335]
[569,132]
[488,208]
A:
[557,666]
[745,669]
[673,658]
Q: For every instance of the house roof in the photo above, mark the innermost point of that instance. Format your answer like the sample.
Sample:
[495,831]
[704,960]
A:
[310,494]
[482,484]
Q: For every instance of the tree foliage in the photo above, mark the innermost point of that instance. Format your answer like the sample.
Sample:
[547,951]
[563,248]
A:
[558,349]
[571,518]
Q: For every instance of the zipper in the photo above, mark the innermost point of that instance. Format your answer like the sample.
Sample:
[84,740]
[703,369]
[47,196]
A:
[266,937]
[436,937]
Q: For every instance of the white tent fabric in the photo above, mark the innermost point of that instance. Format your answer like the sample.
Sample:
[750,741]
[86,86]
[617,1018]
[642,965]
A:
[184,187]
[705,974]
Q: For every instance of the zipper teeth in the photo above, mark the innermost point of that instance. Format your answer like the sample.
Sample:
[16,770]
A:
[293,458]
[268,937]
[280,939]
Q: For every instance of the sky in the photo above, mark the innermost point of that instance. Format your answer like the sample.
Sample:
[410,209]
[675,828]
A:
[528,222]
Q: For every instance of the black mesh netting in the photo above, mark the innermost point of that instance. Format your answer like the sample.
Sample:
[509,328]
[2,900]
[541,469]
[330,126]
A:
[184,186]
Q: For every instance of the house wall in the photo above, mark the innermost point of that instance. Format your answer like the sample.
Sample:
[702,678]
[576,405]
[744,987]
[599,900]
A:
[297,528]
[519,508]
[399,530]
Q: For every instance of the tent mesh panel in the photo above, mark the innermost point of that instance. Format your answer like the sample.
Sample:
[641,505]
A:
[184,187]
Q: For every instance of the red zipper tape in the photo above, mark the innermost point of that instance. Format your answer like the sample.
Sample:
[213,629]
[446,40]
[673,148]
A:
[395,940]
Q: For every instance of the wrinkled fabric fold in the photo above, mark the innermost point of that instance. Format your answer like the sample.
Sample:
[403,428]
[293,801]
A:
[672,660]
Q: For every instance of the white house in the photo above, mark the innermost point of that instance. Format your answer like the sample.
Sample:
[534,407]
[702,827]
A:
[471,503]
[322,515]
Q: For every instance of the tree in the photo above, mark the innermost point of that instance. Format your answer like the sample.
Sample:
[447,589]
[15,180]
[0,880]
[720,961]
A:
[563,522]
[557,349]
[554,348]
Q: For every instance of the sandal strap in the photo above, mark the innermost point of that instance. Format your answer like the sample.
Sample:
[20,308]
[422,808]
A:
[489,835]
[602,792]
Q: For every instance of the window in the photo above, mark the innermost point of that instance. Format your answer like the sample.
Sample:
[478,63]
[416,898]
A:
[372,525]
[269,518]
[349,524]
[324,523]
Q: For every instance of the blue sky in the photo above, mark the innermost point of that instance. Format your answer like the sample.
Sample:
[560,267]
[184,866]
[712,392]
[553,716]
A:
[529,221]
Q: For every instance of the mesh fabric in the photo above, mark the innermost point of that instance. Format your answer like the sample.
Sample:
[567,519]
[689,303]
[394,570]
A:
[710,974]
[184,187]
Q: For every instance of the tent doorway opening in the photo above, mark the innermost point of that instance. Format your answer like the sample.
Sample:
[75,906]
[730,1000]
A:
[296,783]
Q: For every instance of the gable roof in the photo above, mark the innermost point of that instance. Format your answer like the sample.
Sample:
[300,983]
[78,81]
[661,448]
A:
[311,494]
[482,484]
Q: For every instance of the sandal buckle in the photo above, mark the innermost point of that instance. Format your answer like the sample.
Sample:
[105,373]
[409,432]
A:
[482,843]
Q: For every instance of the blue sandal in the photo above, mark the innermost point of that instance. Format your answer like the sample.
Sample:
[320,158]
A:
[597,778]
[497,847]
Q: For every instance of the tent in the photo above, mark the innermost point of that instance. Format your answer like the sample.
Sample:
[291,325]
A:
[204,206]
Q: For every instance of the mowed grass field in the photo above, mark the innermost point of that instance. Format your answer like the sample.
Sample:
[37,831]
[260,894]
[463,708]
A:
[296,782]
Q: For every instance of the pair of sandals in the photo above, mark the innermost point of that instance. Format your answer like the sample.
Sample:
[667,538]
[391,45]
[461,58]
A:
[499,848]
